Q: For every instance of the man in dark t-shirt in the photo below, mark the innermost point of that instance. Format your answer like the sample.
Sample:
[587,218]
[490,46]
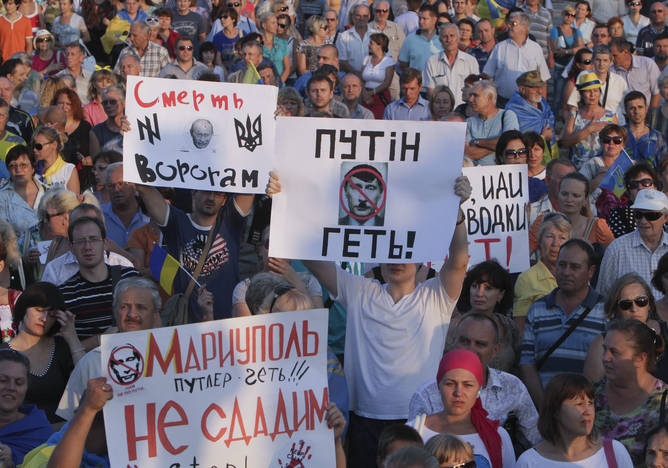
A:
[190,24]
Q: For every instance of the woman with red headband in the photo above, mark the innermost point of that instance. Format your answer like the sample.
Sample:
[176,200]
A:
[460,378]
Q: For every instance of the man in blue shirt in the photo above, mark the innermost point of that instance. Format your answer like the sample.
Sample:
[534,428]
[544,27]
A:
[411,106]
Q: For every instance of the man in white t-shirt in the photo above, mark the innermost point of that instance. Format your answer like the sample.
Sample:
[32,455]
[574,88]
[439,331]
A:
[395,334]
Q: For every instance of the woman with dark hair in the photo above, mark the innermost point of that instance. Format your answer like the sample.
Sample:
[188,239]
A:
[583,60]
[20,195]
[660,282]
[166,35]
[584,23]
[22,426]
[40,313]
[628,400]
[377,75]
[616,27]
[536,147]
[512,148]
[460,377]
[565,41]
[100,163]
[638,177]
[466,29]
[488,290]
[207,55]
[227,37]
[634,21]
[566,423]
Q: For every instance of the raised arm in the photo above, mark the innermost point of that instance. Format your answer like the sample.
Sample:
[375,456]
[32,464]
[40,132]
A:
[454,269]
[156,205]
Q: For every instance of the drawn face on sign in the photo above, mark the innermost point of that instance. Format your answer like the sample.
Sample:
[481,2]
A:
[126,365]
[201,132]
[363,194]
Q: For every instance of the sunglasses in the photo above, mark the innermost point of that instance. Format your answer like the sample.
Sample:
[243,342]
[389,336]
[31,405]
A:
[43,39]
[654,12]
[283,8]
[152,21]
[382,10]
[39,146]
[224,16]
[616,140]
[281,25]
[555,214]
[185,47]
[48,216]
[626,304]
[235,5]
[468,464]
[635,3]
[110,102]
[512,154]
[569,14]
[648,215]
[645,183]
[278,292]
[586,62]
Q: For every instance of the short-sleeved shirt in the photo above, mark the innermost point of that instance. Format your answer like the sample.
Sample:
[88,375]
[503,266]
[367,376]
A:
[277,53]
[409,22]
[647,148]
[531,285]
[91,302]
[643,76]
[437,71]
[546,321]
[353,48]
[645,39]
[155,58]
[190,25]
[186,240]
[478,128]
[13,35]
[116,230]
[399,110]
[541,26]
[416,50]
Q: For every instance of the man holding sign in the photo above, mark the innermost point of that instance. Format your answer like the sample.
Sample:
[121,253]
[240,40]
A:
[403,326]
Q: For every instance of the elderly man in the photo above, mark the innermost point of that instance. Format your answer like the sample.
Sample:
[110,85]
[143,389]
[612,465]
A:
[421,44]
[554,172]
[107,135]
[530,106]
[17,73]
[353,44]
[646,36]
[514,56]
[88,293]
[411,106]
[152,57]
[640,251]
[19,122]
[184,66]
[136,306]
[250,52]
[130,65]
[661,51]
[485,32]
[410,20]
[351,86]
[484,128]
[569,317]
[640,73]
[74,57]
[190,24]
[451,66]
[332,25]
[501,392]
[643,143]
[122,214]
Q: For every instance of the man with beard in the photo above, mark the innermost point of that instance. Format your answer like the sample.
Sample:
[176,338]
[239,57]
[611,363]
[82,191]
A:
[530,106]
[365,192]
[661,51]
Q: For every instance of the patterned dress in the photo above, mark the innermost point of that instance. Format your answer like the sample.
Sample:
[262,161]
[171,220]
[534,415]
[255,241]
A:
[590,146]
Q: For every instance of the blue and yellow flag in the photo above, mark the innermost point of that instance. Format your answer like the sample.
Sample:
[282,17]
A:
[252,76]
[614,178]
[491,10]
[164,267]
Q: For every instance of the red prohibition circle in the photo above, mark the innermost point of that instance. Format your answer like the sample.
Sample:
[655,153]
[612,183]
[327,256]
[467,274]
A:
[378,208]
[111,358]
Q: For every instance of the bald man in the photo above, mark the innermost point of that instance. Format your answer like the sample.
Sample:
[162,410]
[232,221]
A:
[201,132]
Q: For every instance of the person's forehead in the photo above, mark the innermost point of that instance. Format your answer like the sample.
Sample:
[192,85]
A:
[362,10]
[357,180]
[573,254]
[128,62]
[88,227]
[638,102]
[141,296]
[475,330]
[330,14]
[116,174]
[73,50]
[351,80]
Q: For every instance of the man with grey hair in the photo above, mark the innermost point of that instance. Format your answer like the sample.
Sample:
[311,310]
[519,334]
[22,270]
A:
[61,268]
[451,66]
[353,44]
[107,135]
[152,57]
[484,128]
[332,25]
[136,306]
[74,57]
[351,88]
[130,65]
[122,214]
[251,52]
[514,56]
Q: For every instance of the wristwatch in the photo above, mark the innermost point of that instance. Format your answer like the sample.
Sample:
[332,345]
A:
[474,142]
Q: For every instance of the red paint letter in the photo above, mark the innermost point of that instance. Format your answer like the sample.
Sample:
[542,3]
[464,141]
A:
[139,101]
[162,425]
[132,435]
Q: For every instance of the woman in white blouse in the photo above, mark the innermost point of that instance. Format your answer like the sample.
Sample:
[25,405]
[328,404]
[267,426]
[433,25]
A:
[377,75]
[634,21]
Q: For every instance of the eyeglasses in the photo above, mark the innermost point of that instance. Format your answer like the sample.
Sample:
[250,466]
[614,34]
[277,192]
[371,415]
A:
[635,4]
[281,25]
[382,10]
[361,16]
[15,166]
[331,20]
[152,21]
[569,14]
[648,215]
[39,146]
[645,183]
[468,464]
[514,23]
[48,216]
[117,186]
[654,12]
[278,292]
[323,27]
[512,154]
[616,140]
[110,102]
[43,39]
[585,62]
[283,8]
[87,240]
[185,47]
[235,4]
[626,304]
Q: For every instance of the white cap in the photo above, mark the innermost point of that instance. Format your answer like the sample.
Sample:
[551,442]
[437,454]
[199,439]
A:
[650,200]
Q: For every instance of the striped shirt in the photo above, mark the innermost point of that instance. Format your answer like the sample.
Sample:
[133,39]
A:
[546,321]
[541,25]
[91,302]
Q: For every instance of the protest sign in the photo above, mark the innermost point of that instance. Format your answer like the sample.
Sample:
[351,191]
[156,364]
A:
[240,393]
[365,190]
[199,135]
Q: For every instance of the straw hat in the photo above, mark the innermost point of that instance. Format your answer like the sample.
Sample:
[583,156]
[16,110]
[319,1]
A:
[588,80]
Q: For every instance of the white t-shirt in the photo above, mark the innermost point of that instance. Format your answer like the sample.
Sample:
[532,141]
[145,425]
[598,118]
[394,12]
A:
[62,177]
[532,459]
[375,76]
[391,348]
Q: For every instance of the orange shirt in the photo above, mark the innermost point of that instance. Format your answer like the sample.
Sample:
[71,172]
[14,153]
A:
[13,36]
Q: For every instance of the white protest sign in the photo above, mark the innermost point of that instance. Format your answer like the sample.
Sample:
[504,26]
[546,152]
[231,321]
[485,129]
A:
[365,190]
[244,392]
[199,134]
[43,248]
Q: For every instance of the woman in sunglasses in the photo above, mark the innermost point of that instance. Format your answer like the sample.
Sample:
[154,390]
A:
[628,401]
[451,451]
[227,37]
[46,61]
[582,61]
[513,148]
[52,170]
[630,298]
[634,21]
[566,422]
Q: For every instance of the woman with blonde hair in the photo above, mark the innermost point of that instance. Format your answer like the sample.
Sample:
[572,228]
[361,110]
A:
[306,53]
[291,102]
[93,112]
[451,450]
[441,102]
[47,144]
[50,87]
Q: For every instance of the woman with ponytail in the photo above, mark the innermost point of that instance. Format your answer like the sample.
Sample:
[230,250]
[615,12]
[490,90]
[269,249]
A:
[460,378]
[51,169]
[628,401]
[566,422]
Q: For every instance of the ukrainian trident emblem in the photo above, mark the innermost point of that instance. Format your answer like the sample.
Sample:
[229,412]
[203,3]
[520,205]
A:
[250,136]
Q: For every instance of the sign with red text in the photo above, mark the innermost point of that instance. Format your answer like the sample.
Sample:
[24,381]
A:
[365,190]
[199,134]
[244,392]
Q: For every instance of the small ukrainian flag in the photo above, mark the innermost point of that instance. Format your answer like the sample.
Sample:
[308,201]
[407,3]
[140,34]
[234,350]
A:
[252,76]
[614,178]
[164,267]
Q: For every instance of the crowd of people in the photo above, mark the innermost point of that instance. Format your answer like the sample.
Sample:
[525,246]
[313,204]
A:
[563,364]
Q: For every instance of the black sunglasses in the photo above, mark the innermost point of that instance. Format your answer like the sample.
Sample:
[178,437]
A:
[43,39]
[512,154]
[281,25]
[569,14]
[626,304]
[235,4]
[283,8]
[224,16]
[634,4]
[110,102]
[382,10]
[39,146]
[616,140]
[468,464]
[648,215]
[585,62]
[645,183]
[278,292]
[185,47]
[48,216]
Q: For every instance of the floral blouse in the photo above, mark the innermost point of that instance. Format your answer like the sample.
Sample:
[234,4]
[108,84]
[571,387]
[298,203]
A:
[630,428]
[589,146]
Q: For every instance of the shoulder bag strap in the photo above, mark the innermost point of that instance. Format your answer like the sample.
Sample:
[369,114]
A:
[609,453]
[202,259]
[590,226]
[563,337]
[115,278]
[607,87]
[503,120]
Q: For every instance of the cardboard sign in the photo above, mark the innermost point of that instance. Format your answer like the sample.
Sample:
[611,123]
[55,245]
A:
[199,135]
[244,392]
[365,190]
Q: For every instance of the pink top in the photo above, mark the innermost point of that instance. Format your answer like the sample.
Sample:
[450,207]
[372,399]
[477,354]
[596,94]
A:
[39,64]
[93,113]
